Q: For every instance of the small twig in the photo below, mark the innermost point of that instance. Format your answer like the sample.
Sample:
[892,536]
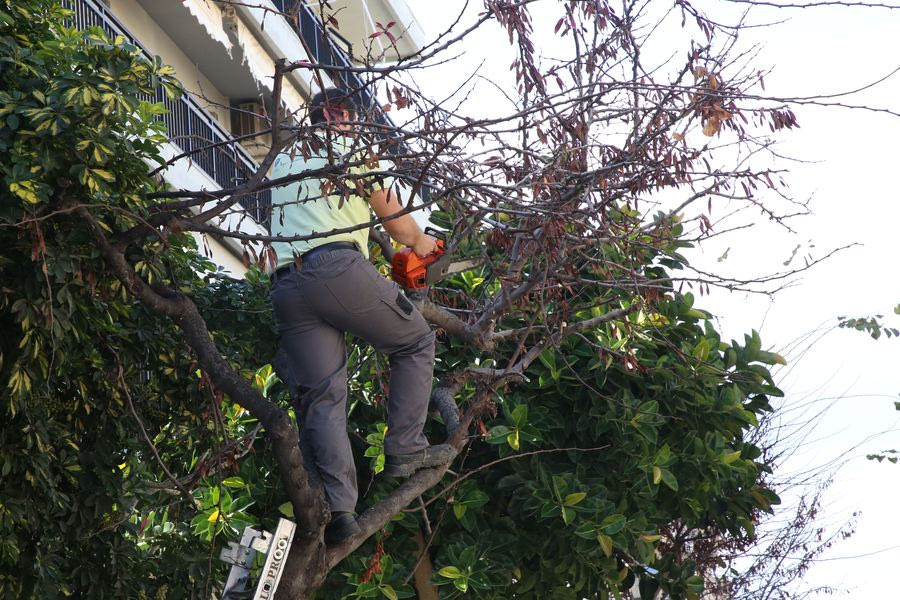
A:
[459,479]
[124,387]
[384,242]
[423,509]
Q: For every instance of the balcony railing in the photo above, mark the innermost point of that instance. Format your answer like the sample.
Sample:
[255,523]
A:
[324,51]
[189,126]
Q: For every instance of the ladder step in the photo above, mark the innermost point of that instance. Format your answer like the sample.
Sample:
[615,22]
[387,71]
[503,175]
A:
[241,555]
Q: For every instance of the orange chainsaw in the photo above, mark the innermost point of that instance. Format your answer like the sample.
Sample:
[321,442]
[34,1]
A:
[416,273]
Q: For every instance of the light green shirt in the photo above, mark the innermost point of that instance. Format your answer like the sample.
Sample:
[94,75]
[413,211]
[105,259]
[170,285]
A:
[300,208]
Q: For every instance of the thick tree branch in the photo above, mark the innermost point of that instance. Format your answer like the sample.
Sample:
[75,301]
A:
[437,315]
[375,518]
[309,506]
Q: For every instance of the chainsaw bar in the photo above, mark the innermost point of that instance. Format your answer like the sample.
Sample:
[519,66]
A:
[444,266]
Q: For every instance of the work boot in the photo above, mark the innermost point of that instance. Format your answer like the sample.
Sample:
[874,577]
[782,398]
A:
[342,526]
[404,465]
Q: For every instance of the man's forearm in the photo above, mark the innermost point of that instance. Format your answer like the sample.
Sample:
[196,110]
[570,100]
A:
[404,228]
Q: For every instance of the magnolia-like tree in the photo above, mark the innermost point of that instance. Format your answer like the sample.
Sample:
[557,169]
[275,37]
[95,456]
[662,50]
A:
[601,424]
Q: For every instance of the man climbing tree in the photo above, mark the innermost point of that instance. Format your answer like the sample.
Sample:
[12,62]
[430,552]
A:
[326,287]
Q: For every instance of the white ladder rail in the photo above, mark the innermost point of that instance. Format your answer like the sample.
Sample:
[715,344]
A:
[240,556]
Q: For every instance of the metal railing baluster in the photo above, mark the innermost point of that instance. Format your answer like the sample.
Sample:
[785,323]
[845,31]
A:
[188,125]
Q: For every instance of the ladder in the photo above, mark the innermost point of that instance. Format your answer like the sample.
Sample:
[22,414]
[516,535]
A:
[240,556]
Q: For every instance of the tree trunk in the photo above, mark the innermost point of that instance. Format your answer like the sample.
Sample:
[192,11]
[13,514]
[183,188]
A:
[424,571]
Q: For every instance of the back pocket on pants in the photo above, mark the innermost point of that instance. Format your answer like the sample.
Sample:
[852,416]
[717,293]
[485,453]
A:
[356,289]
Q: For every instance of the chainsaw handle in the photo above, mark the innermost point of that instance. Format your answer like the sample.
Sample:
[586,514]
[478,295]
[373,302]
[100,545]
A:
[427,260]
[410,270]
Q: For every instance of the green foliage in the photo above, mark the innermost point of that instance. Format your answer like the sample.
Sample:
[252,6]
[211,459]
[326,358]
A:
[618,437]
[85,509]
[889,455]
[874,326]
[669,447]
[375,451]
[892,456]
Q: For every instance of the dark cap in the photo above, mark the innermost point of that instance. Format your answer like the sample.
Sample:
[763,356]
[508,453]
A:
[330,98]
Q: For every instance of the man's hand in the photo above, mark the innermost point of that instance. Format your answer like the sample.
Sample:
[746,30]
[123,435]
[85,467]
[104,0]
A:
[425,245]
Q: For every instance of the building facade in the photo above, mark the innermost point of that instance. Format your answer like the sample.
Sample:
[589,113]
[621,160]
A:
[224,55]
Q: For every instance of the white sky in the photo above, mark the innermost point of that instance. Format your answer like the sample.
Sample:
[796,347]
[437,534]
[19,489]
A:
[853,182]
[854,200]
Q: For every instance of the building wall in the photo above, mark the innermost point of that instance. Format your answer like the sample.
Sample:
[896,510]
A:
[226,252]
[281,41]
[148,32]
[243,45]
[220,255]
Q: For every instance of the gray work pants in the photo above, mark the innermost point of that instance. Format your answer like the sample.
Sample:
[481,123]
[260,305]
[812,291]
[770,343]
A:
[335,292]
